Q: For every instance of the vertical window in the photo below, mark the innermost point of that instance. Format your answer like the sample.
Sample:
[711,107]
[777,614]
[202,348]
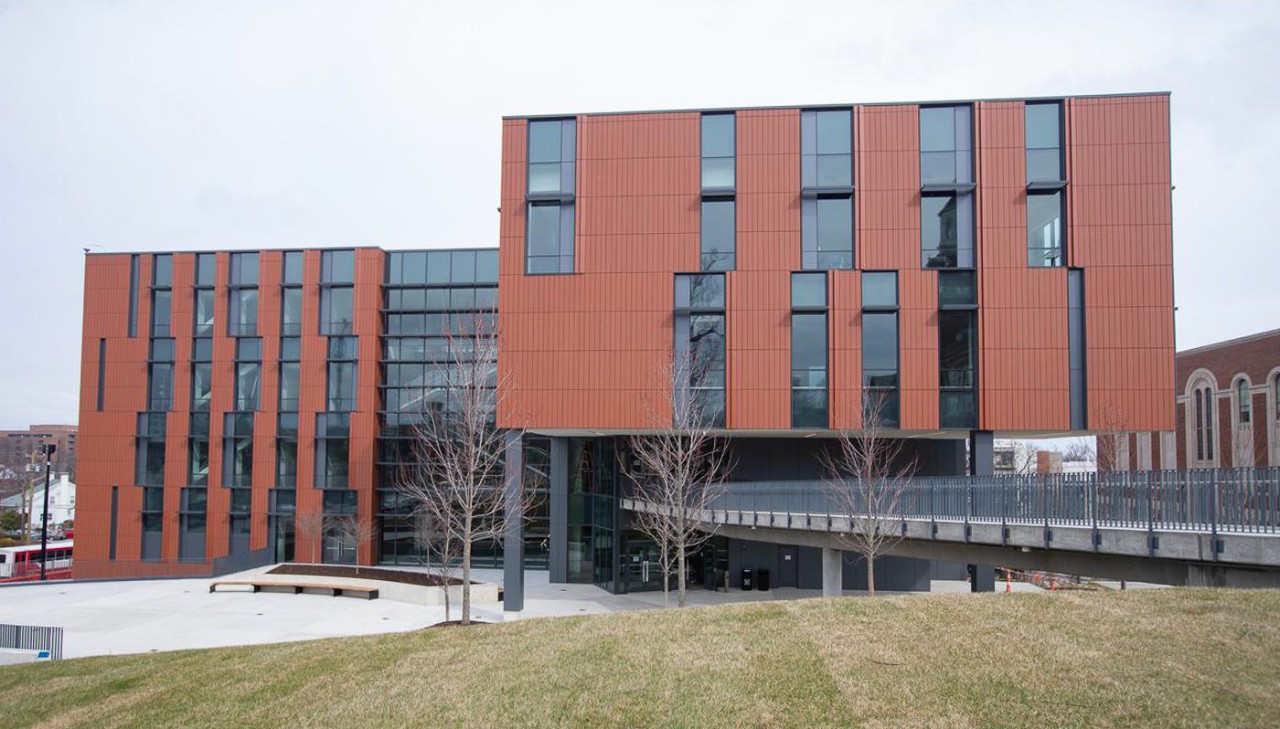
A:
[700,342]
[1211,408]
[152,522]
[290,311]
[161,300]
[1275,396]
[292,269]
[333,432]
[242,318]
[288,387]
[1199,424]
[550,194]
[133,295]
[205,270]
[946,145]
[198,450]
[162,270]
[160,375]
[203,312]
[149,461]
[826,174]
[102,370]
[718,152]
[193,521]
[718,233]
[287,451]
[248,373]
[946,230]
[337,274]
[1244,402]
[880,379]
[1076,348]
[1045,241]
[808,350]
[201,375]
[957,349]
[342,374]
[237,450]
[1044,142]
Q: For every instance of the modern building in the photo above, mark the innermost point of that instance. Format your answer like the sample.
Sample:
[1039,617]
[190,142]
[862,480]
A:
[988,268]
[1228,410]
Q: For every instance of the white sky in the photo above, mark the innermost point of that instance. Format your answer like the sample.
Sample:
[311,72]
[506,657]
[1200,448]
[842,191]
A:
[239,124]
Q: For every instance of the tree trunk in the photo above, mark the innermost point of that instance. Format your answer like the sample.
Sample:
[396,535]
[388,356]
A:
[466,580]
[871,575]
[680,576]
[663,563]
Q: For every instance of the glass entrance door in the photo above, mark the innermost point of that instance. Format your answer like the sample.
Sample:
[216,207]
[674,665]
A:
[642,569]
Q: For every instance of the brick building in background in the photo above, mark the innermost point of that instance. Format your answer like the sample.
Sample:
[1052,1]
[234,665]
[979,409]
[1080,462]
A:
[17,448]
[1228,411]
[990,268]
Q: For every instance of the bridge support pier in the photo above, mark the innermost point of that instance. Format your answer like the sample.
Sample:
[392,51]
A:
[832,572]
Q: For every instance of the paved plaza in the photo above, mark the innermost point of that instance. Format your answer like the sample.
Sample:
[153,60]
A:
[140,616]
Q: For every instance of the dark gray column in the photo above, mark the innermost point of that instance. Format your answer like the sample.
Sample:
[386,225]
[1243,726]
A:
[558,508]
[982,453]
[513,547]
[982,463]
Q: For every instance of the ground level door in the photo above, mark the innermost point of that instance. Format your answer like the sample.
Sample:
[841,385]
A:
[788,566]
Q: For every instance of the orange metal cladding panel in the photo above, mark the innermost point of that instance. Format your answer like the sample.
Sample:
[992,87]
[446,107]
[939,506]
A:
[758,300]
[1022,328]
[887,237]
[588,350]
[367,301]
[311,396]
[1120,231]
[845,304]
[106,438]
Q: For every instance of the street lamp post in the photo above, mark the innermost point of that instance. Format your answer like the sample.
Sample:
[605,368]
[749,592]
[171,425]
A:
[49,448]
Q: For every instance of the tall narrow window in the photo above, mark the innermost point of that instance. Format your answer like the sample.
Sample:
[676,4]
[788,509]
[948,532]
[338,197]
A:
[342,374]
[718,234]
[1199,395]
[1078,389]
[809,350]
[133,295]
[198,450]
[287,451]
[1244,402]
[1045,241]
[826,179]
[946,176]
[102,370]
[248,373]
[160,375]
[333,432]
[880,381]
[149,460]
[957,349]
[237,450]
[1211,408]
[242,318]
[152,522]
[337,276]
[718,152]
[1044,141]
[193,521]
[550,193]
[201,375]
[700,342]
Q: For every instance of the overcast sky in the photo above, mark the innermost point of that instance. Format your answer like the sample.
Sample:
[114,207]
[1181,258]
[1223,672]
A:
[135,126]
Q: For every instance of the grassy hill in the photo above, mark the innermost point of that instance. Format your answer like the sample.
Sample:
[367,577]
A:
[1158,658]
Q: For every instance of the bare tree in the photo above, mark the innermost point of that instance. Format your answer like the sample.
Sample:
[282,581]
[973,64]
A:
[1079,449]
[1111,427]
[455,477]
[683,470]
[352,531]
[438,551]
[866,480]
[311,527]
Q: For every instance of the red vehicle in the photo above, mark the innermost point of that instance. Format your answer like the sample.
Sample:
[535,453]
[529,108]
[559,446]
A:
[22,563]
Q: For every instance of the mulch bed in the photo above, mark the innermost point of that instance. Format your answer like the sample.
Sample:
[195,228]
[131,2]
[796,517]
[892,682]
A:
[365,573]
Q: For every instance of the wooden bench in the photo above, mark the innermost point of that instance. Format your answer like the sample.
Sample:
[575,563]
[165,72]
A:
[368,593]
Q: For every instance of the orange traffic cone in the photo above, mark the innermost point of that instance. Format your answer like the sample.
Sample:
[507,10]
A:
[1008,581]
[1054,587]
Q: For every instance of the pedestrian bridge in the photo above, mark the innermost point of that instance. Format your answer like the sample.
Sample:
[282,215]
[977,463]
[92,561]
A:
[1207,527]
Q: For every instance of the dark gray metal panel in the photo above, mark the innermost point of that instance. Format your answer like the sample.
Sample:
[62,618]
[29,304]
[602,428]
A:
[981,453]
[513,551]
[558,502]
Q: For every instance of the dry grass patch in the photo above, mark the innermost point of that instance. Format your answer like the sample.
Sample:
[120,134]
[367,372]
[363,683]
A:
[1160,658]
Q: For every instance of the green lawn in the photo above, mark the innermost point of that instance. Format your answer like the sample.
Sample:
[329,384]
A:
[1152,658]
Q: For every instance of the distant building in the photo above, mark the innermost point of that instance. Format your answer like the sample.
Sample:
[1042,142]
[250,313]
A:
[18,446]
[62,502]
[1228,411]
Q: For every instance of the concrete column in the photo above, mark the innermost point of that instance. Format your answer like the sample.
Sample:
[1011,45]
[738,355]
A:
[981,463]
[832,572]
[513,546]
[558,508]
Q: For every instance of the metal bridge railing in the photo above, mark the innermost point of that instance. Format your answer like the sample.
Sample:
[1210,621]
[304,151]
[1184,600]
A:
[1241,500]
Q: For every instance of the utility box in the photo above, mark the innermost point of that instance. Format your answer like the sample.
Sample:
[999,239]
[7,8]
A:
[762,580]
[748,579]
